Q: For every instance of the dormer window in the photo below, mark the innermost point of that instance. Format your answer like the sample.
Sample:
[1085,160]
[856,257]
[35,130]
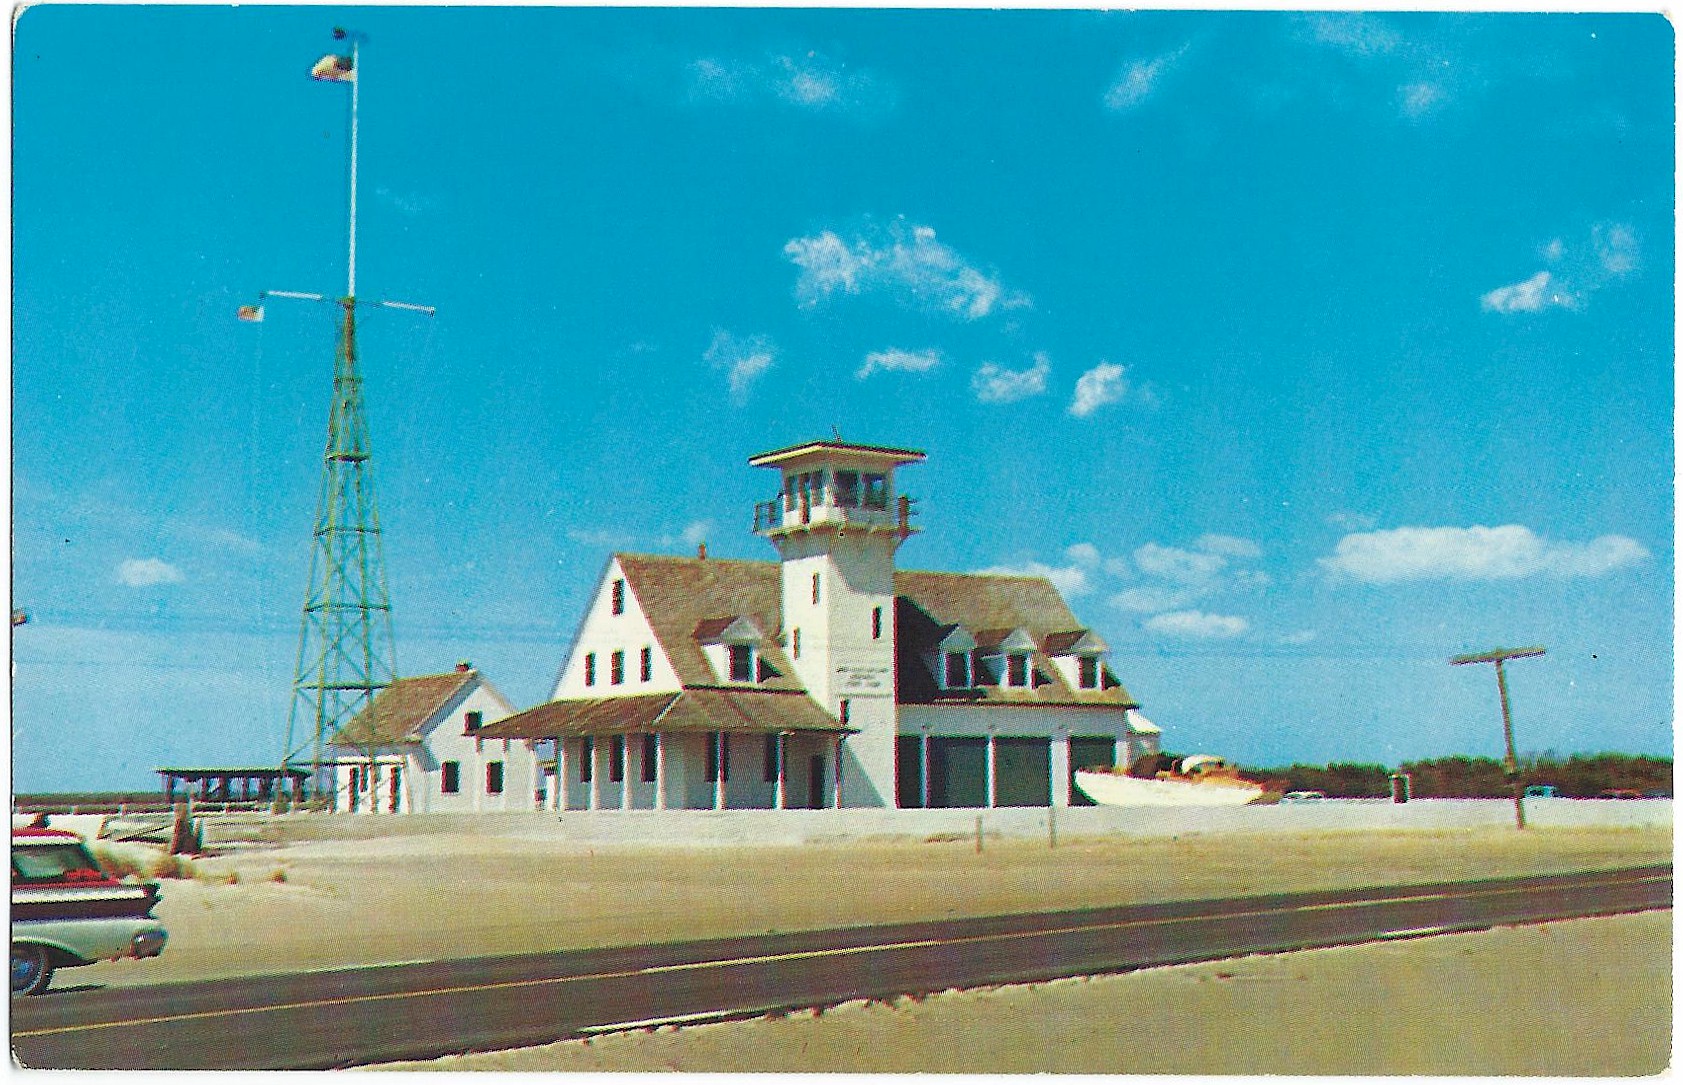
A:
[958,670]
[1017,669]
[741,662]
[1087,672]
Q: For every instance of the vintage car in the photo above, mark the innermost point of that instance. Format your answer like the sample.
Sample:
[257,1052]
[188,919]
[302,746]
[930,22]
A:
[66,911]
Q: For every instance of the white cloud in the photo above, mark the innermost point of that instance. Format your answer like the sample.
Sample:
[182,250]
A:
[1195,623]
[1230,546]
[1351,521]
[1615,248]
[1354,32]
[1154,598]
[902,361]
[1416,100]
[1533,294]
[147,572]
[743,360]
[1302,636]
[905,261]
[696,532]
[1612,252]
[1181,566]
[1474,553]
[994,384]
[1085,554]
[1138,79]
[811,82]
[1104,383]
[1070,580]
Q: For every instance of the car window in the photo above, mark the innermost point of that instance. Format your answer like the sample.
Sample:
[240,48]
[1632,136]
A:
[50,863]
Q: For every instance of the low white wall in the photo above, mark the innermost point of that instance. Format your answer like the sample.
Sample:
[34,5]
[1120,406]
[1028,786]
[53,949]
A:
[703,828]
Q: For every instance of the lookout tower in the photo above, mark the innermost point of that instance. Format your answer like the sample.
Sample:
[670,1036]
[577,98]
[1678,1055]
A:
[836,522]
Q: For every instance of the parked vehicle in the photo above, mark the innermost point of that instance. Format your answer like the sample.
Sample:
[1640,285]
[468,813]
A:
[67,912]
[1620,793]
[1541,791]
[1303,796]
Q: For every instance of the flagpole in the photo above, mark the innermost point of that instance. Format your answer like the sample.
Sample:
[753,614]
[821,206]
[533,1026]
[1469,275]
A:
[356,83]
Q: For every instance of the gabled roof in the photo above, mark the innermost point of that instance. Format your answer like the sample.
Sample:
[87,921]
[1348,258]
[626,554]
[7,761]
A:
[681,595]
[758,711]
[401,709]
[736,630]
[1074,642]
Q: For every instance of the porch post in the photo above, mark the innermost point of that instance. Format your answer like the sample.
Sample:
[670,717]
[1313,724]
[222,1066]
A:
[1060,768]
[721,750]
[660,770]
[1121,758]
[624,773]
[782,776]
[838,787]
[992,779]
[595,773]
[923,767]
[560,774]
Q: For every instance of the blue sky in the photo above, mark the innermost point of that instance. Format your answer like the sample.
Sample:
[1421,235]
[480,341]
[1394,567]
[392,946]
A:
[1303,351]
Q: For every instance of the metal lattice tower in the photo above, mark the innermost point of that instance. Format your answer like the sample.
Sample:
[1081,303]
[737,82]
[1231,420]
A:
[346,652]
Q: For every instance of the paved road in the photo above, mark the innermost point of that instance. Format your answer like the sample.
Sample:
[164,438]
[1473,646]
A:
[352,1016]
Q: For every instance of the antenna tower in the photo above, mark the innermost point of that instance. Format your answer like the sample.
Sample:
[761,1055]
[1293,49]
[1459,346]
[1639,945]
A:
[346,652]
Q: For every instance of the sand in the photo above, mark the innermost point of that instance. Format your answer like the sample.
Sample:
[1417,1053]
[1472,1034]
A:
[1510,1001]
[1593,998]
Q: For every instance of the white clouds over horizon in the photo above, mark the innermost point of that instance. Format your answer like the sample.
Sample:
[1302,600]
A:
[1197,624]
[996,384]
[1071,580]
[1508,552]
[904,261]
[1104,383]
[744,360]
[1177,577]
[147,572]
[900,361]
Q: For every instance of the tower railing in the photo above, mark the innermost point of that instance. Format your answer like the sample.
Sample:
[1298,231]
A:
[778,514]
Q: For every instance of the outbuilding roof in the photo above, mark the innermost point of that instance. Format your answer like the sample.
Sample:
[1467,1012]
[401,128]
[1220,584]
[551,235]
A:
[710,709]
[399,711]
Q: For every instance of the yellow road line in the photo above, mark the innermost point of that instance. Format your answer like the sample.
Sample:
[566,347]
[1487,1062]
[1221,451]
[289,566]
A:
[841,951]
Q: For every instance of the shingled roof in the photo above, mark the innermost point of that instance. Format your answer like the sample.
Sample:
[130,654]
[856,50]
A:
[684,596]
[757,711]
[399,710]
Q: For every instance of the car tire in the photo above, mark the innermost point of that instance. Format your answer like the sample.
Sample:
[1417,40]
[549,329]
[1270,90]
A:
[32,969]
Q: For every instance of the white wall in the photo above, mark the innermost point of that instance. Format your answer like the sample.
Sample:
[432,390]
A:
[604,633]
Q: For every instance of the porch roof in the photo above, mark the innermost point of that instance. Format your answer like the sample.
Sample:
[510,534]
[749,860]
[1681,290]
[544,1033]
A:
[692,709]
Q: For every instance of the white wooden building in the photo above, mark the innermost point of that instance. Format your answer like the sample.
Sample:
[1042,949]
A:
[825,678]
[416,749]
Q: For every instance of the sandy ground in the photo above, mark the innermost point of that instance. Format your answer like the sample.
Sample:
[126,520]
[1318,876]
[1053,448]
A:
[1583,997]
[1589,997]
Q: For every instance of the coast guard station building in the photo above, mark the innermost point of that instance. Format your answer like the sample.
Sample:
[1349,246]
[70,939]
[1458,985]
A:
[826,678]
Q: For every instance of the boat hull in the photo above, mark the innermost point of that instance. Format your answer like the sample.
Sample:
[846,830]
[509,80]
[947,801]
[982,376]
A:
[1114,789]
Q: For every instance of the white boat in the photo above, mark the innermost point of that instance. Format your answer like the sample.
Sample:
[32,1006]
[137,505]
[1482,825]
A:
[1198,780]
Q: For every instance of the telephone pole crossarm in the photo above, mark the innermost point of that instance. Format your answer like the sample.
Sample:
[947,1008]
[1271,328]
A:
[1510,765]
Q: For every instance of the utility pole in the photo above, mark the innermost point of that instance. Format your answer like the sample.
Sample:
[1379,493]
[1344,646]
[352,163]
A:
[346,652]
[1499,656]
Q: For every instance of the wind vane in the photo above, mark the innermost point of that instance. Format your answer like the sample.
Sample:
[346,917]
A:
[346,653]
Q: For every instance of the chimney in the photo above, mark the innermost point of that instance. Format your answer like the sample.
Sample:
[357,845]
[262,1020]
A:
[701,551]
[463,667]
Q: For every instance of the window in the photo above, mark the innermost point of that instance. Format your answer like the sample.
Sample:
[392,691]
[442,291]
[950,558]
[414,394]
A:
[493,777]
[789,484]
[1089,672]
[876,491]
[741,662]
[847,488]
[651,757]
[646,664]
[845,710]
[475,720]
[1016,669]
[795,642]
[590,668]
[958,670]
[616,760]
[452,782]
[718,757]
[876,623]
[814,589]
[619,597]
[587,759]
[771,758]
[616,669]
